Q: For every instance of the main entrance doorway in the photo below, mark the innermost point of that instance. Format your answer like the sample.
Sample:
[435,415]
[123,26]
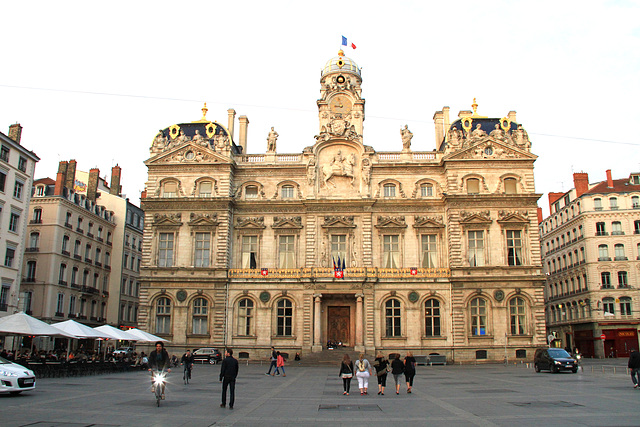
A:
[338,324]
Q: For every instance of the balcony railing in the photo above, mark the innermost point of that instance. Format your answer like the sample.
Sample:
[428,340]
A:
[67,253]
[602,233]
[62,282]
[604,258]
[35,221]
[32,249]
[620,258]
[66,224]
[79,230]
[59,314]
[29,280]
[78,257]
[328,272]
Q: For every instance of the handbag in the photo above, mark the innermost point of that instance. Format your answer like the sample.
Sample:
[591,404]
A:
[347,375]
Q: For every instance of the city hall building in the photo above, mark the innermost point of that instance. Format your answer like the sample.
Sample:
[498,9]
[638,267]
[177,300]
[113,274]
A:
[434,251]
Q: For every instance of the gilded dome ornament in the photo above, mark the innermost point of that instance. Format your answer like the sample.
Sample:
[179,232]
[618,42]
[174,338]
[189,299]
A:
[466,123]
[211,130]
[174,131]
[505,124]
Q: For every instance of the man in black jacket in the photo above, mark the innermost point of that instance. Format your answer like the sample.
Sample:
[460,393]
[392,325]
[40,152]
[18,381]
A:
[159,361]
[228,374]
[634,366]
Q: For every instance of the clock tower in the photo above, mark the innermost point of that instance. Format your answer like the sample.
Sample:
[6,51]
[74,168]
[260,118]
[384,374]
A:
[340,107]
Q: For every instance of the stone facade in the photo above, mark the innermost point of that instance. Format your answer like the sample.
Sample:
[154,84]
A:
[440,249]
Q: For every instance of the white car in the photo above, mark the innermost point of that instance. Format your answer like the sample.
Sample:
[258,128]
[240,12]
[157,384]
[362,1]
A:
[15,378]
[123,350]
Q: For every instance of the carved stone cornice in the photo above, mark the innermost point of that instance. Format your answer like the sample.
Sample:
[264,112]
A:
[428,222]
[203,220]
[250,223]
[337,221]
[386,222]
[287,223]
[511,217]
[167,220]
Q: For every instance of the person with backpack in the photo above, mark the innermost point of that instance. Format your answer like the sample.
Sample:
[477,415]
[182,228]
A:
[363,372]
[346,373]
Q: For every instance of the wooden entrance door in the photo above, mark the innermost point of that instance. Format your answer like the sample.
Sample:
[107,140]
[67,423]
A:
[338,323]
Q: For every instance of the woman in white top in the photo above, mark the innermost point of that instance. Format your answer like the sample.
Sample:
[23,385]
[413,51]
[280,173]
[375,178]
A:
[363,372]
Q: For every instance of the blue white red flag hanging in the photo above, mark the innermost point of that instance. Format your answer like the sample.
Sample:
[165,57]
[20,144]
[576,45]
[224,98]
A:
[338,270]
[344,43]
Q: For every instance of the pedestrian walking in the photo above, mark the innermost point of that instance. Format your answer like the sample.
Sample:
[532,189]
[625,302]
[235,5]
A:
[409,370]
[634,366]
[346,373]
[363,372]
[397,369]
[280,363]
[228,374]
[382,365]
[274,361]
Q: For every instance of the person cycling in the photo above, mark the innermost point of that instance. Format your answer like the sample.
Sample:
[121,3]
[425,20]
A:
[159,361]
[187,361]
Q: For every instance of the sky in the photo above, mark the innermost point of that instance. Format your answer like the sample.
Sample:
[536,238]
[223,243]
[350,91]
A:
[95,81]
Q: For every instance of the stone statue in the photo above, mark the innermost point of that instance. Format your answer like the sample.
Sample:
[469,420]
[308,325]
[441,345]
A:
[311,172]
[159,143]
[406,137]
[478,132]
[497,133]
[455,140]
[366,171]
[349,165]
[199,139]
[271,141]
[182,138]
[521,138]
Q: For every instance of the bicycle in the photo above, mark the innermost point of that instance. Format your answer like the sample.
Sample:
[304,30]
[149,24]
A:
[159,383]
[186,376]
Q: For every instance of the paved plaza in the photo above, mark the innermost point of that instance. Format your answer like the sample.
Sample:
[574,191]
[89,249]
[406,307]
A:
[486,395]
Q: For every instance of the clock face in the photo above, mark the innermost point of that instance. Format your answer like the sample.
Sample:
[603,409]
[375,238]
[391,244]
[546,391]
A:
[340,104]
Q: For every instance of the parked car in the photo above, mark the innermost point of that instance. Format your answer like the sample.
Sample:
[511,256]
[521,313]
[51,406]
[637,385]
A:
[123,350]
[15,378]
[211,355]
[554,360]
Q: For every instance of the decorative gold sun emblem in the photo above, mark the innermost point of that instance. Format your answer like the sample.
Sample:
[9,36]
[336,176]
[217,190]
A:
[211,130]
[174,131]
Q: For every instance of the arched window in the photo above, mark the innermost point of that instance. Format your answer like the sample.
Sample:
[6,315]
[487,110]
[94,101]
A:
[205,189]
[245,317]
[597,204]
[510,186]
[200,316]
[34,241]
[31,271]
[392,316]
[284,319]
[170,189]
[517,316]
[619,251]
[603,253]
[251,192]
[287,191]
[613,203]
[473,186]
[432,317]
[616,228]
[623,281]
[163,316]
[478,316]
[426,190]
[635,202]
[389,190]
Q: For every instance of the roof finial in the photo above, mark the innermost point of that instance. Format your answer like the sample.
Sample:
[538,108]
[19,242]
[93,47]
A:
[341,52]
[475,107]
[204,112]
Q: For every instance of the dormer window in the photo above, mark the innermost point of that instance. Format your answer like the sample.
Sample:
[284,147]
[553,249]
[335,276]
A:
[635,179]
[205,189]
[426,190]
[389,190]
[170,189]
[40,190]
[473,186]
[287,191]
[510,186]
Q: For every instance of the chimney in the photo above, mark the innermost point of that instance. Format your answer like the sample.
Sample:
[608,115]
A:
[230,124]
[244,122]
[581,183]
[92,185]
[609,179]
[15,132]
[70,175]
[447,122]
[554,197]
[115,189]
[59,183]
[512,116]
[539,215]
[438,119]
[465,113]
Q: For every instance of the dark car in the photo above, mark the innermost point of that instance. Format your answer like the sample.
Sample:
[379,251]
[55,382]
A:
[211,355]
[554,360]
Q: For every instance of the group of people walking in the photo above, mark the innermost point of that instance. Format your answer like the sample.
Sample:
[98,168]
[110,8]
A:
[277,361]
[363,370]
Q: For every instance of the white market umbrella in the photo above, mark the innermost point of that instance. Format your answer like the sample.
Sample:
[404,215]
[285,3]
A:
[145,336]
[80,330]
[116,333]
[23,324]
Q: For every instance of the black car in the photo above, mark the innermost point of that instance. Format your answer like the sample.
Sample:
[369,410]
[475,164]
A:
[554,360]
[211,355]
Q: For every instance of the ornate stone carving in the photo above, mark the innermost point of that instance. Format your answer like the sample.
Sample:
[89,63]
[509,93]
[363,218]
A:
[339,166]
[271,141]
[167,219]
[427,221]
[406,135]
[203,219]
[159,143]
[366,171]
[287,222]
[391,222]
[481,214]
[339,221]
[250,222]
[505,214]
[311,172]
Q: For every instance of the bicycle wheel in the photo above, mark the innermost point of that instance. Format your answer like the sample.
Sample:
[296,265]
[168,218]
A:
[158,394]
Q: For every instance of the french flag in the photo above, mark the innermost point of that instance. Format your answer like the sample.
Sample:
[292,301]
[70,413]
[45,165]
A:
[344,43]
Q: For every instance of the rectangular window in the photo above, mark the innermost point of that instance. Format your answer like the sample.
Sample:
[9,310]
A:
[514,247]
[4,297]
[426,190]
[202,249]
[9,256]
[3,180]
[17,190]
[389,190]
[286,248]
[13,222]
[339,248]
[249,252]
[170,189]
[4,153]
[476,248]
[22,164]
[391,251]
[473,186]
[205,189]
[165,253]
[287,192]
[60,304]
[429,251]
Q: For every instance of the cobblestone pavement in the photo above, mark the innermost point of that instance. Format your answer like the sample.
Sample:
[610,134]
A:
[485,395]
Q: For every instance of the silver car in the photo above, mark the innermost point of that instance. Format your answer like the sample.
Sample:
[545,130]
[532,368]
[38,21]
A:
[15,378]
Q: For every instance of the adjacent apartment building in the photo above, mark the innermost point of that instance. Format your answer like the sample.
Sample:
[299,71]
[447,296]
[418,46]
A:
[433,251]
[17,166]
[591,257]
[80,235]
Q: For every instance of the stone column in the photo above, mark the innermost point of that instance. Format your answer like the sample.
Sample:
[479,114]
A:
[359,347]
[317,320]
